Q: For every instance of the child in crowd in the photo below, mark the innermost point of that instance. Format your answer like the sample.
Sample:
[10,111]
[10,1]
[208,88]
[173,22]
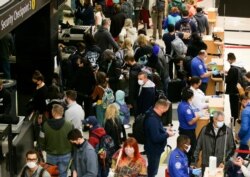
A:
[124,113]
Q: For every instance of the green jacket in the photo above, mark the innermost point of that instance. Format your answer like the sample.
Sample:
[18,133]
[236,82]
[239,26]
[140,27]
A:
[53,136]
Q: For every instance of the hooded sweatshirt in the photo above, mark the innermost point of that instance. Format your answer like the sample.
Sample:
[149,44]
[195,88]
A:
[124,113]
[202,22]
[53,136]
[146,97]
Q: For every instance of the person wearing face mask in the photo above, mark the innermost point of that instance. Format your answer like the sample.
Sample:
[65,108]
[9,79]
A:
[156,135]
[131,162]
[32,168]
[84,156]
[198,68]
[134,70]
[84,83]
[178,161]
[188,119]
[244,133]
[112,67]
[146,95]
[215,139]
[38,101]
[95,130]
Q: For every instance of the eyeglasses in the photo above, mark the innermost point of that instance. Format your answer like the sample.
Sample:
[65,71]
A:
[28,159]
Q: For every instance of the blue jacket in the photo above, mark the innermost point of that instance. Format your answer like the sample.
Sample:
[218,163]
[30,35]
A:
[244,133]
[156,135]
[85,161]
[178,164]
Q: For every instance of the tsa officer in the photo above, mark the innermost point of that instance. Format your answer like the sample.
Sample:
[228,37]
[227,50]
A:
[188,118]
[178,161]
[198,68]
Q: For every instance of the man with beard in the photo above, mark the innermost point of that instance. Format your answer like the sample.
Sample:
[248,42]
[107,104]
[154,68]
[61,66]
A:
[84,156]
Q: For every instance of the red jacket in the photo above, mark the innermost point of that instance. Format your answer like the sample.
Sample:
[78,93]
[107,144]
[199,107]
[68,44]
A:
[95,136]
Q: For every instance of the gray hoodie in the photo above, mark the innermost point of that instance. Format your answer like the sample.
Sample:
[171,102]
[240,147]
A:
[202,22]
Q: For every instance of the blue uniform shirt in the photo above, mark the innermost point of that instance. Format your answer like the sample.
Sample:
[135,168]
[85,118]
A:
[198,68]
[178,164]
[185,114]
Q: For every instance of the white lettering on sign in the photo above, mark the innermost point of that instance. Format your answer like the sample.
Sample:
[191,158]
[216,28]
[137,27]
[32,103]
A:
[19,13]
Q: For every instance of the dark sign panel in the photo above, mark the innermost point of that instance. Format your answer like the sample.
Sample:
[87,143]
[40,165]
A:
[233,8]
[18,13]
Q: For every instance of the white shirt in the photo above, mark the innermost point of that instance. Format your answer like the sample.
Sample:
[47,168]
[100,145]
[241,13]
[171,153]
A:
[75,114]
[199,99]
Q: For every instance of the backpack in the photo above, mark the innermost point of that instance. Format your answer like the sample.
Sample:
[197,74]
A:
[241,76]
[108,97]
[138,129]
[178,46]
[185,27]
[105,149]
[92,57]
[127,9]
[124,113]
[143,60]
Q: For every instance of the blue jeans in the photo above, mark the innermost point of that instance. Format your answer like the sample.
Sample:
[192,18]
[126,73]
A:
[62,161]
[153,164]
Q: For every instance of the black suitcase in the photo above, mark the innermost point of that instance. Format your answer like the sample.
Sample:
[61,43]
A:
[175,87]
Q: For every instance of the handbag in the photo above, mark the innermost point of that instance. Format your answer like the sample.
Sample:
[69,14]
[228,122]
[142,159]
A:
[165,156]
[52,169]
[112,171]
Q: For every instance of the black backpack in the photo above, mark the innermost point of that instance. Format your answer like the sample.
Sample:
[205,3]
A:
[106,145]
[138,129]
[241,74]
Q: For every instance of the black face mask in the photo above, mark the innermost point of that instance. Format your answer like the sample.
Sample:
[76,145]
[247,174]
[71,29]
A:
[78,145]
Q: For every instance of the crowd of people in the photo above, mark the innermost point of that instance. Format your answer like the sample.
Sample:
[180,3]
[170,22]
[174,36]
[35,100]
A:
[118,72]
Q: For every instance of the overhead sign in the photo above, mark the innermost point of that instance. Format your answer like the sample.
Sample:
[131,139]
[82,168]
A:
[18,13]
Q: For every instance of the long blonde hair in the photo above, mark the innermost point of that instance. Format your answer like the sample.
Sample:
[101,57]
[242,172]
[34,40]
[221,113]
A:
[112,112]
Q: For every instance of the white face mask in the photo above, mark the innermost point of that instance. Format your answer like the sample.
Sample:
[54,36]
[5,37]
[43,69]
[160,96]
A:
[129,151]
[31,164]
[220,124]
[140,82]
[188,148]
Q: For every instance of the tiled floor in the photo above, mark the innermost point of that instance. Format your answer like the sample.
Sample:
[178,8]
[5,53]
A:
[242,54]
